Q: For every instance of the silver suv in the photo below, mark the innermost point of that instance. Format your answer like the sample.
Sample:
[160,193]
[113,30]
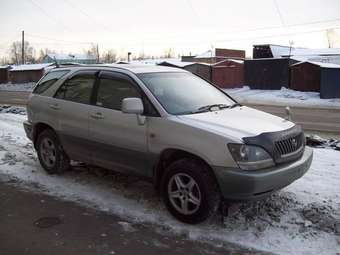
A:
[192,140]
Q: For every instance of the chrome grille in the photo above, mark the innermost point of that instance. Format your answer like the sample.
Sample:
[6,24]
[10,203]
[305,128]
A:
[289,145]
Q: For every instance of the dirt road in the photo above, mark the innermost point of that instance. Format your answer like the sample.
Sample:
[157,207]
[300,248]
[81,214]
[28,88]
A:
[13,97]
[315,119]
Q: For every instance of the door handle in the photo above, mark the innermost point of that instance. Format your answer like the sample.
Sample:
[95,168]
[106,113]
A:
[97,115]
[54,106]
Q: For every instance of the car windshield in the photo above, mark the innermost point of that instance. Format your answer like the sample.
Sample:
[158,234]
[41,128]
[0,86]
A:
[185,93]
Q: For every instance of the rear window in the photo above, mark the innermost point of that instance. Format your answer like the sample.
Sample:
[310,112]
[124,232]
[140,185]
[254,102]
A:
[48,80]
[78,89]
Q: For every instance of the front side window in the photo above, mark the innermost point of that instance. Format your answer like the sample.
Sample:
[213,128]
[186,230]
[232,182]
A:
[77,89]
[111,93]
[183,93]
[48,80]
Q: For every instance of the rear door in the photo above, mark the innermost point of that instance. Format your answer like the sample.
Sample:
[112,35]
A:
[72,101]
[120,143]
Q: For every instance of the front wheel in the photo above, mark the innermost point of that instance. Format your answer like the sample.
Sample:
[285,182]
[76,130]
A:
[189,191]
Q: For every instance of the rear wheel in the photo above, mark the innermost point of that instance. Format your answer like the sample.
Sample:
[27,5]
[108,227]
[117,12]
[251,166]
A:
[50,153]
[190,191]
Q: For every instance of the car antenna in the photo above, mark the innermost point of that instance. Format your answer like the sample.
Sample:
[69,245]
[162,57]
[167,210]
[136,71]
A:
[56,62]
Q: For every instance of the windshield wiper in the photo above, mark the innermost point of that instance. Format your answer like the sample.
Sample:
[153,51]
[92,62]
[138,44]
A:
[209,107]
[234,105]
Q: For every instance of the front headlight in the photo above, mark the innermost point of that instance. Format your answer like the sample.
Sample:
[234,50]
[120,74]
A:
[250,157]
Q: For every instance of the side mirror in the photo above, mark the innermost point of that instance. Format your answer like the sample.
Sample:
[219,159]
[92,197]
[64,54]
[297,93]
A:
[132,105]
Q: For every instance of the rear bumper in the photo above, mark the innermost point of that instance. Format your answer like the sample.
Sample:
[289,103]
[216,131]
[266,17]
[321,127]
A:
[236,184]
[28,129]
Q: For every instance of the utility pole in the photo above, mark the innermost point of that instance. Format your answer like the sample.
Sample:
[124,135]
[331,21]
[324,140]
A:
[23,48]
[291,43]
[97,54]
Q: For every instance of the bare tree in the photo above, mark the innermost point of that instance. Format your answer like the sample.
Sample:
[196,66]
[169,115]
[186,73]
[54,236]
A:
[333,38]
[110,56]
[92,51]
[43,53]
[168,53]
[4,61]
[16,52]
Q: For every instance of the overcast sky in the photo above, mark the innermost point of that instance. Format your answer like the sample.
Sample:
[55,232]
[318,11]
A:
[153,25]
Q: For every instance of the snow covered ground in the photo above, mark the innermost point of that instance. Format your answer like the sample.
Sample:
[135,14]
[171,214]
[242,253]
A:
[17,86]
[303,218]
[286,97]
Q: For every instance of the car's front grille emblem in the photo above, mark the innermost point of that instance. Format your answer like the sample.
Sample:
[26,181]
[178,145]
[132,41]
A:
[289,145]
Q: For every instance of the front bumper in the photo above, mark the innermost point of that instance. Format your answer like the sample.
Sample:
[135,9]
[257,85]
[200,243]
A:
[236,184]
[28,129]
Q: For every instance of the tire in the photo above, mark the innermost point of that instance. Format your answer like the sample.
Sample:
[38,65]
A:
[203,200]
[48,139]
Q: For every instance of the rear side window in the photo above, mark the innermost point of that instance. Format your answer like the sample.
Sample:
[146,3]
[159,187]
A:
[77,89]
[111,93]
[48,80]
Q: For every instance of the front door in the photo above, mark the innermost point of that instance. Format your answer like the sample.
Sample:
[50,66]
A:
[120,143]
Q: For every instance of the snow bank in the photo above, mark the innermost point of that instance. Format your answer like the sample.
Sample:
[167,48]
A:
[285,97]
[300,219]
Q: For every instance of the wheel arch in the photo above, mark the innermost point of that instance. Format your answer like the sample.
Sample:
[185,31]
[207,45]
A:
[170,155]
[38,128]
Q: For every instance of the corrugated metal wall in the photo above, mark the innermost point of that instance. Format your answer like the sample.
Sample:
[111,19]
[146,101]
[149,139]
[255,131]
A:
[330,83]
[229,53]
[305,77]
[201,70]
[228,74]
[271,73]
[262,51]
[25,76]
[187,58]
[3,75]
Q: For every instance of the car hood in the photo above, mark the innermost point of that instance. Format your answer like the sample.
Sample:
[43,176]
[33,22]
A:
[237,122]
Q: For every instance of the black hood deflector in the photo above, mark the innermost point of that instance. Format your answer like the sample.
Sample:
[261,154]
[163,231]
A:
[267,140]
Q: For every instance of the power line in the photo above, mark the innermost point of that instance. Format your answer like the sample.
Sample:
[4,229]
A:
[181,35]
[94,21]
[279,12]
[183,43]
[193,10]
[268,28]
[163,42]
[272,36]
[58,40]
[56,21]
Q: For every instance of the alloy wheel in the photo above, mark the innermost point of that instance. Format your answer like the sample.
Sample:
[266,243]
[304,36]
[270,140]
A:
[184,193]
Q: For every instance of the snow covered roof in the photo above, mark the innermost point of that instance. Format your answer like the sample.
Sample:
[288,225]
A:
[177,62]
[30,67]
[70,56]
[282,51]
[122,62]
[233,60]
[207,54]
[154,61]
[5,67]
[212,54]
[321,64]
